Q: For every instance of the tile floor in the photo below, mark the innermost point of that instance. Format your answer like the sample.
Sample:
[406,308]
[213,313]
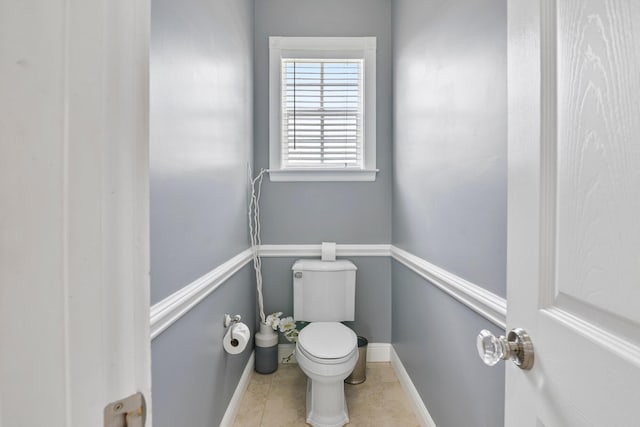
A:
[278,400]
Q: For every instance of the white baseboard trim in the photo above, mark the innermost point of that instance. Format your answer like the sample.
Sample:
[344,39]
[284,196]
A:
[176,305]
[417,404]
[238,394]
[487,304]
[271,251]
[376,352]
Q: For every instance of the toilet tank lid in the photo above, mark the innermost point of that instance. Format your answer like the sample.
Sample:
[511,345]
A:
[319,265]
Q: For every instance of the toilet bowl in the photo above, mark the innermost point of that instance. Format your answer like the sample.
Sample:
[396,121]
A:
[326,352]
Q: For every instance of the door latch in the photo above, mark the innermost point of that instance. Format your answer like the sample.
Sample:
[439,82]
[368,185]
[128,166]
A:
[128,412]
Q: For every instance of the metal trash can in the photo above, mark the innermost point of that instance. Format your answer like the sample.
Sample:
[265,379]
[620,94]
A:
[359,374]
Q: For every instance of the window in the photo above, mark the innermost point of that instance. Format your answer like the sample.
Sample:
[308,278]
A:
[322,109]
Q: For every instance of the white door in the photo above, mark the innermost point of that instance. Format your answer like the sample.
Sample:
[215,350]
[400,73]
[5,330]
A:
[574,211]
[74,244]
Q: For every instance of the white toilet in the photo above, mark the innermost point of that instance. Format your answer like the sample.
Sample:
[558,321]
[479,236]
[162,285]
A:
[327,350]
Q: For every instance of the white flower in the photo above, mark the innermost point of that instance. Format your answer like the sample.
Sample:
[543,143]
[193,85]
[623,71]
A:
[287,324]
[291,335]
[273,320]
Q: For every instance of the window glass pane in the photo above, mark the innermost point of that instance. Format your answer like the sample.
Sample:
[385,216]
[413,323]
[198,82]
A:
[322,113]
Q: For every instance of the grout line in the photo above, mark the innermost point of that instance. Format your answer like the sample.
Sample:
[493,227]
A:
[264,400]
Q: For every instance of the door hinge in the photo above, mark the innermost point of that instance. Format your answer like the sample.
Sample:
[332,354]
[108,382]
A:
[128,412]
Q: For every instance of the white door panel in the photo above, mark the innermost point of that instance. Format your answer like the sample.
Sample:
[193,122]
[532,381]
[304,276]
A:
[74,244]
[574,209]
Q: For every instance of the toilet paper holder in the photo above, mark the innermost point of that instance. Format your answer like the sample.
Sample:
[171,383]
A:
[231,321]
[228,320]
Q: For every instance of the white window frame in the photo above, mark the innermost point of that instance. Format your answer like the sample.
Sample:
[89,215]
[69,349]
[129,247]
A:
[322,48]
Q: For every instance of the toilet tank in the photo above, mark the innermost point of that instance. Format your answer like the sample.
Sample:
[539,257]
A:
[324,291]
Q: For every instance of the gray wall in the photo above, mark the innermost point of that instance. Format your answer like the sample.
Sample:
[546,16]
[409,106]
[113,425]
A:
[449,188]
[201,137]
[435,337]
[450,136]
[373,294]
[307,212]
[343,212]
[201,144]
[449,196]
[193,377]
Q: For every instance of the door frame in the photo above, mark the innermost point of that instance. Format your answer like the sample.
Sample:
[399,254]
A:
[529,113]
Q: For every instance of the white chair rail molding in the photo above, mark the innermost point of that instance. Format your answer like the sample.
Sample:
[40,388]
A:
[485,303]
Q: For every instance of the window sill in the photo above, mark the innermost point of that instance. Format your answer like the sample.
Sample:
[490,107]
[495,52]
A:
[300,175]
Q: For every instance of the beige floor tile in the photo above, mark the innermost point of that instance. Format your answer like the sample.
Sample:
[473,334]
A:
[279,400]
[262,378]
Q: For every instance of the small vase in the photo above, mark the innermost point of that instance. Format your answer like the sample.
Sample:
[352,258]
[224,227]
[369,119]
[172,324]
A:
[266,350]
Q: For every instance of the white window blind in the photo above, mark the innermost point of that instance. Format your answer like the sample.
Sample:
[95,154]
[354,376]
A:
[322,113]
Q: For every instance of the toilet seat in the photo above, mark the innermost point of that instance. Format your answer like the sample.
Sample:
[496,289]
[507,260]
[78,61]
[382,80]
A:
[326,361]
[327,343]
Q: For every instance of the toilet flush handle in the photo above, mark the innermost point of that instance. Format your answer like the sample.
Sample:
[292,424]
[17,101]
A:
[517,346]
